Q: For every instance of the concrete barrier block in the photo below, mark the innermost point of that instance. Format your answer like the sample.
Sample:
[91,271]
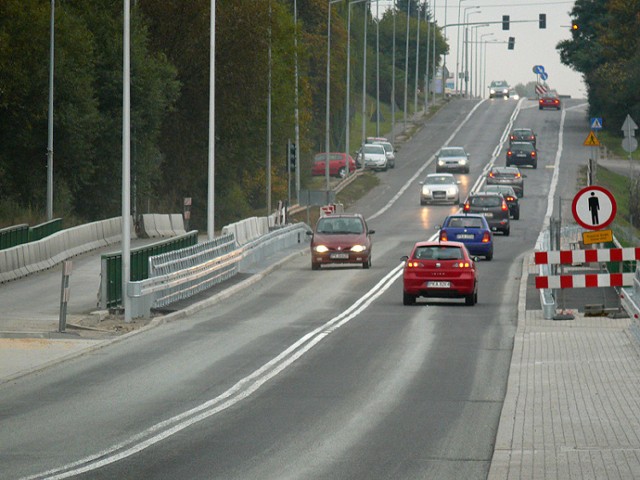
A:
[149,226]
[177,224]
[163,225]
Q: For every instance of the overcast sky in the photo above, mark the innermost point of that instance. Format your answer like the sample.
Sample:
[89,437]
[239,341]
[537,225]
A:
[533,46]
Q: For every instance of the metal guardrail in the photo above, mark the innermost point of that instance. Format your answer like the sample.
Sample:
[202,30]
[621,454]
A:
[189,271]
[14,236]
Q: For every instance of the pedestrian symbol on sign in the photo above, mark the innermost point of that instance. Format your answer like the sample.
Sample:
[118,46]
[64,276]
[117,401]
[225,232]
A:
[594,206]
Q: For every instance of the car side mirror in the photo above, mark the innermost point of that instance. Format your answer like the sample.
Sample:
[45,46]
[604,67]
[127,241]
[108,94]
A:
[523,175]
[371,232]
[309,232]
[404,258]
[476,259]
[437,227]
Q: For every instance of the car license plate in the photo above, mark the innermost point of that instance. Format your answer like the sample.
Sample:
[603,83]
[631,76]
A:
[521,155]
[339,256]
[438,285]
[487,214]
[465,236]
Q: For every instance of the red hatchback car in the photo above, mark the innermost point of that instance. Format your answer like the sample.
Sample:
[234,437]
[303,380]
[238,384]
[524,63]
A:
[440,270]
[340,239]
[549,101]
[337,164]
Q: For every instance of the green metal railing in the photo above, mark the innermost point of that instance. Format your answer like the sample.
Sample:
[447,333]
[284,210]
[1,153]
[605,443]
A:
[112,264]
[14,235]
[45,229]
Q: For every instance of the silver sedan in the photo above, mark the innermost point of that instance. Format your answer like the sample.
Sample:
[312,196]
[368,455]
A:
[440,188]
[452,158]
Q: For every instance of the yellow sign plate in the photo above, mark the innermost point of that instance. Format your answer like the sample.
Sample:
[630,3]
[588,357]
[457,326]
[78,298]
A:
[592,140]
[597,236]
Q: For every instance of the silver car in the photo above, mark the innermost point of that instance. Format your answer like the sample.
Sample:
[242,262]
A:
[440,188]
[389,150]
[374,158]
[452,159]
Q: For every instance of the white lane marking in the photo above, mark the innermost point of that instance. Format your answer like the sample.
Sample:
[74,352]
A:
[241,390]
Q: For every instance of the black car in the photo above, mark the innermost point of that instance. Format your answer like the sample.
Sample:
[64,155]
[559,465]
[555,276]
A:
[507,176]
[522,153]
[509,195]
[493,207]
[522,135]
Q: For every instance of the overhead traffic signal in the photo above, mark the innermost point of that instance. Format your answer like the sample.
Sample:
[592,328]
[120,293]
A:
[505,22]
[512,43]
[542,20]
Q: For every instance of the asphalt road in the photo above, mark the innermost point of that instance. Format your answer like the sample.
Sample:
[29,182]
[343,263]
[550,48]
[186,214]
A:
[313,374]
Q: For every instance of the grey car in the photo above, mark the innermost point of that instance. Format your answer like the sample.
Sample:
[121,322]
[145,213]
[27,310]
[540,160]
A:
[439,188]
[452,159]
[507,176]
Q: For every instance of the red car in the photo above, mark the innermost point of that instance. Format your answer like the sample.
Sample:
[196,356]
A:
[549,101]
[441,270]
[341,239]
[337,164]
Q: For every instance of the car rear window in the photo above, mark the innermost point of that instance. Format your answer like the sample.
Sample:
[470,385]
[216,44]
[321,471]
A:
[439,253]
[465,222]
[486,201]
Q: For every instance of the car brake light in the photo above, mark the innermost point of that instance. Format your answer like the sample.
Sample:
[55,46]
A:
[509,153]
[504,206]
[533,154]
[466,207]
[491,174]
[510,198]
[462,265]
[413,264]
[517,175]
[486,238]
[443,236]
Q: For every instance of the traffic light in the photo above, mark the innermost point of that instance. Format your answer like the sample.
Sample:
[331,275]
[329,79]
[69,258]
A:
[505,22]
[292,156]
[542,21]
[512,42]
[574,26]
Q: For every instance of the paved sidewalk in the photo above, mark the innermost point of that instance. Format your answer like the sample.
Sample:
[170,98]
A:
[572,408]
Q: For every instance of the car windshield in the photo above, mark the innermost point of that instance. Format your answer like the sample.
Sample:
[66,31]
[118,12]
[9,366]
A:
[452,152]
[387,146]
[373,149]
[486,201]
[340,225]
[437,252]
[439,180]
[465,222]
[321,157]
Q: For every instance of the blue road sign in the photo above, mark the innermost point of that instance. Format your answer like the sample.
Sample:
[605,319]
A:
[544,76]
[596,123]
[538,69]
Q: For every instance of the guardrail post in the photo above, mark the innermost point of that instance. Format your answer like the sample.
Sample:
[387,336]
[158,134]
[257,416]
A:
[64,295]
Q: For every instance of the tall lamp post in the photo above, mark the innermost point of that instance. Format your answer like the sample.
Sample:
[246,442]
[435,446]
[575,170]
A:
[458,84]
[466,49]
[474,63]
[327,112]
[415,88]
[348,101]
[50,119]
[483,65]
[212,124]
[406,64]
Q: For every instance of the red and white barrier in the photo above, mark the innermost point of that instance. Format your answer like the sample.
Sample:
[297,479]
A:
[569,257]
[585,281]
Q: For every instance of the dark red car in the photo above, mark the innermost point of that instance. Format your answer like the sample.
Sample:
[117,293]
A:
[439,270]
[337,164]
[340,239]
[549,101]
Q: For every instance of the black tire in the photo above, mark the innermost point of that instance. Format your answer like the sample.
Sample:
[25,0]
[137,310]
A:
[489,255]
[506,232]
[367,264]
[342,172]
[315,266]
[508,164]
[516,216]
[466,170]
[534,164]
[469,300]
[540,108]
[422,202]
[408,299]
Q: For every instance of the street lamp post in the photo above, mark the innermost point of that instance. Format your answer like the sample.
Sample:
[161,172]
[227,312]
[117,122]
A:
[377,68]
[415,89]
[426,70]
[483,66]
[458,84]
[50,119]
[406,65]
[364,86]
[328,93]
[474,58]
[393,78]
[348,106]
[466,49]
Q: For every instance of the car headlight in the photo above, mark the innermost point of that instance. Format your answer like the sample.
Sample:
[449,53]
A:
[492,91]
[320,248]
[463,161]
[452,191]
[440,162]
[426,191]
[358,248]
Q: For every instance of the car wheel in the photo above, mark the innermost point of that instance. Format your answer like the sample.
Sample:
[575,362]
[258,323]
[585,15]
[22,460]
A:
[466,170]
[507,231]
[422,202]
[408,299]
[342,172]
[534,164]
[367,264]
[508,164]
[489,256]
[315,266]
[540,108]
[475,297]
[469,299]
[516,215]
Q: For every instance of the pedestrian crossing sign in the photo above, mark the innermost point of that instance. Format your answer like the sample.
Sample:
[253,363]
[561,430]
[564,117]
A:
[592,141]
[596,123]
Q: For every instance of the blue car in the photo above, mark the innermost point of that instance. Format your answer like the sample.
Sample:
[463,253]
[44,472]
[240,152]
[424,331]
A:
[472,230]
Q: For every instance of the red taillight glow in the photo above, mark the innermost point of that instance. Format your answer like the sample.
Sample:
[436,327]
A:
[518,175]
[509,153]
[486,238]
[492,175]
[504,206]
[413,264]
[443,236]
[509,198]
[466,207]
[533,154]
[532,137]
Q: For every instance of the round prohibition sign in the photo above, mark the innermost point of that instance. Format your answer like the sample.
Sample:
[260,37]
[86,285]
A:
[594,207]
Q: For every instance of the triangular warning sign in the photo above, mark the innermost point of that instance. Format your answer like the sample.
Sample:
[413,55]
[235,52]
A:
[592,141]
